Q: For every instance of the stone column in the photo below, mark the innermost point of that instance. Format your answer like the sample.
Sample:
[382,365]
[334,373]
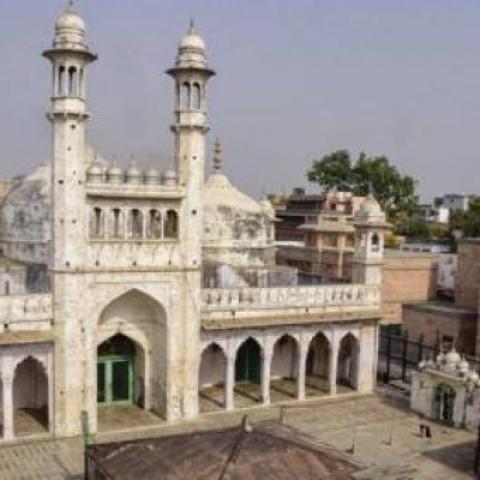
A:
[301,368]
[230,382]
[332,367]
[8,410]
[51,393]
[266,365]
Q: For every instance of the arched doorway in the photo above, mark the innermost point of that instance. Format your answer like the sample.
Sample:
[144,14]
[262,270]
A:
[444,403]
[247,373]
[30,398]
[211,380]
[284,369]
[317,367]
[132,353]
[117,381]
[347,367]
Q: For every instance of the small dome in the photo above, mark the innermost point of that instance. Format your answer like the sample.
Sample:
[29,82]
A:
[152,176]
[370,206]
[95,173]
[452,357]
[133,174]
[191,40]
[69,19]
[169,177]
[114,174]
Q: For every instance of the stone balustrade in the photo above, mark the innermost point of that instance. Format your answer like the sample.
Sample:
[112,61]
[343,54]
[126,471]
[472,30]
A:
[298,296]
[24,308]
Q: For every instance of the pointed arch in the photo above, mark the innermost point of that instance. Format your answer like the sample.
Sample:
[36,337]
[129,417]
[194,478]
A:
[318,363]
[30,397]
[142,319]
[211,381]
[284,365]
[348,361]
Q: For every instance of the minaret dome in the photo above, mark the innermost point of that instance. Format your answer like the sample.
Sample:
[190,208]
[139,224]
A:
[69,29]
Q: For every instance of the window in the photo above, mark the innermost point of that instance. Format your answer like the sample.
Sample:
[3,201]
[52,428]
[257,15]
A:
[61,81]
[196,97]
[185,96]
[375,243]
[118,223]
[171,224]
[72,82]
[137,224]
[97,222]
[155,225]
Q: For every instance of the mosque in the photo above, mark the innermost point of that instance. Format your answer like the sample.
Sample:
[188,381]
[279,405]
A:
[159,290]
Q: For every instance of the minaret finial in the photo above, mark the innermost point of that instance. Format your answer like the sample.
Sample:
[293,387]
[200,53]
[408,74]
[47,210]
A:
[191,28]
[217,156]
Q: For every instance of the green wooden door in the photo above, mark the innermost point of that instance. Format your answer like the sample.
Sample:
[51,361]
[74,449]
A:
[115,379]
[247,365]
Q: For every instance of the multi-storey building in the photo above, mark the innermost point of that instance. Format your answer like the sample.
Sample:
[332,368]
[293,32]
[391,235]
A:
[126,318]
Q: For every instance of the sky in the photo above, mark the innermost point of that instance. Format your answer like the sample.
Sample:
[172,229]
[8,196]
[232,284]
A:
[296,79]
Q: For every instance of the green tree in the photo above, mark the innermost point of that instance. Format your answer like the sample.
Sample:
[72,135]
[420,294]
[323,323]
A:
[394,191]
[467,222]
[333,171]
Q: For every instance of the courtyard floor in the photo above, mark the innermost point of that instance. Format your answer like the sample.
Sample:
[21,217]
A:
[248,395]
[383,434]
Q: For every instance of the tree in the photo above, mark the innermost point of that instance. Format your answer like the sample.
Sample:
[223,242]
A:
[333,171]
[394,191]
[467,222]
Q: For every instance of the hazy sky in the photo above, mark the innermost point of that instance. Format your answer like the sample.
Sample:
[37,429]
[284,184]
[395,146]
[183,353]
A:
[296,79]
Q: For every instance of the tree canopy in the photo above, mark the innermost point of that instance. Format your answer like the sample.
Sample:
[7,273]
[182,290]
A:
[468,223]
[368,174]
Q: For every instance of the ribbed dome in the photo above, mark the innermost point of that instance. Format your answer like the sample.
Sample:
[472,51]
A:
[219,192]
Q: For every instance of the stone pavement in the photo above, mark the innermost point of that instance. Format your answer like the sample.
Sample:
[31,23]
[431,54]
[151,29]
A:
[382,433]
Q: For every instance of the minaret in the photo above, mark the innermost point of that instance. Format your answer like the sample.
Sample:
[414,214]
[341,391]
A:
[191,74]
[370,228]
[69,56]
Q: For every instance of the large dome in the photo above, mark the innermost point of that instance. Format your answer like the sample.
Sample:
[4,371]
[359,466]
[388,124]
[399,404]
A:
[235,225]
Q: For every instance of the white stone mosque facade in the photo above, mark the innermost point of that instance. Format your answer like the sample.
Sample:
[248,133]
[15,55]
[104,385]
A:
[160,290]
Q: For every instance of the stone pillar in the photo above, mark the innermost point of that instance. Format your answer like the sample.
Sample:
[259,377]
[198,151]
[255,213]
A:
[51,392]
[301,369]
[332,367]
[230,382]
[266,366]
[8,409]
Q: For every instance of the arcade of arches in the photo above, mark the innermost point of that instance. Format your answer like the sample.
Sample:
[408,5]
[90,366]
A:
[249,370]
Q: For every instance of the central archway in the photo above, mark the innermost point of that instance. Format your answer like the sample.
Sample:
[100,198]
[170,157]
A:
[120,372]
[132,353]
